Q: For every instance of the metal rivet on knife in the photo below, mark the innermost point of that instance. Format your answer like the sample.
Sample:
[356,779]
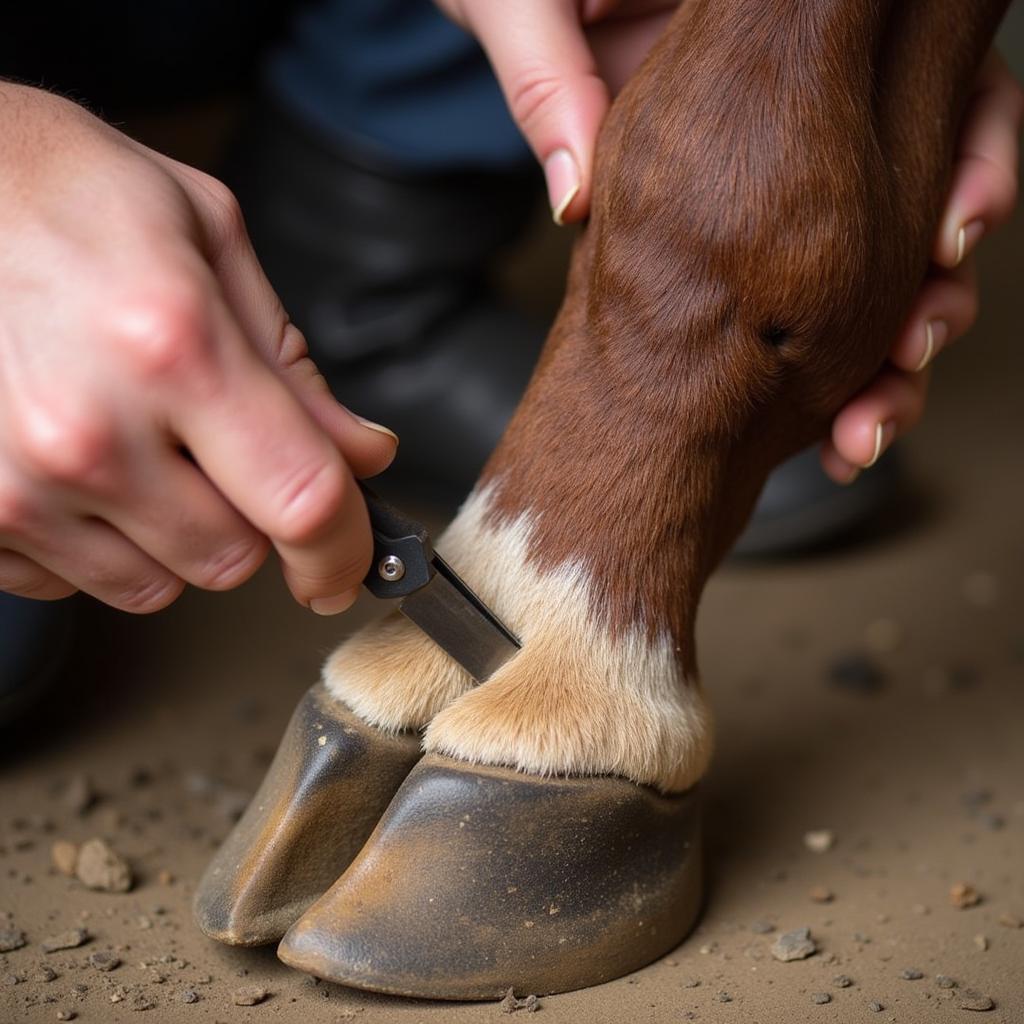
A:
[391,568]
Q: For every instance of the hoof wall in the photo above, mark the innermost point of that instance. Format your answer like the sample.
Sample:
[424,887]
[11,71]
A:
[330,781]
[481,879]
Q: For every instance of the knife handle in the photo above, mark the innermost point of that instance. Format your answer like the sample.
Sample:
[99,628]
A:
[402,551]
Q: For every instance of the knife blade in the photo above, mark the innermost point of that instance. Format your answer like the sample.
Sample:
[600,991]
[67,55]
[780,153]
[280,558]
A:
[433,596]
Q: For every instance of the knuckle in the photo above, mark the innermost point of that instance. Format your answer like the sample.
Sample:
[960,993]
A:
[232,565]
[148,594]
[164,331]
[533,90]
[310,502]
[66,448]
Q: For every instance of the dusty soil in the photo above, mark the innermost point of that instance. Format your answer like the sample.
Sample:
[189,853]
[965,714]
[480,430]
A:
[916,766]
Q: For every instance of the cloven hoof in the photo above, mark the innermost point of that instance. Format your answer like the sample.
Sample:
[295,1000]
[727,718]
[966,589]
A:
[328,785]
[480,879]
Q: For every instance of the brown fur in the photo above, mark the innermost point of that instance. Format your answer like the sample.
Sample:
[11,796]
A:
[774,170]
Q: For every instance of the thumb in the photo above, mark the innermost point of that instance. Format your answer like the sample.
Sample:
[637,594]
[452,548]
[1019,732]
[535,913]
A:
[551,83]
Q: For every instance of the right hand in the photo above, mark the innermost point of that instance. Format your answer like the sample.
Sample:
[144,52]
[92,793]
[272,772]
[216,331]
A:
[160,420]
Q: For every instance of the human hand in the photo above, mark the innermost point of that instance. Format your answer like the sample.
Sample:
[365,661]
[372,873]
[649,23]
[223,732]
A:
[982,195]
[160,419]
[559,62]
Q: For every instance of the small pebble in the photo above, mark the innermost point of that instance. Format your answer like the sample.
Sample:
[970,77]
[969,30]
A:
[691,983]
[821,895]
[45,973]
[11,939]
[66,1015]
[100,867]
[64,855]
[509,1004]
[71,939]
[975,798]
[78,794]
[794,945]
[820,998]
[842,980]
[724,997]
[1010,920]
[972,1000]
[856,672]
[981,942]
[819,840]
[140,1002]
[104,960]
[944,981]
[762,927]
[249,995]
[189,995]
[911,974]
[963,895]
[875,1007]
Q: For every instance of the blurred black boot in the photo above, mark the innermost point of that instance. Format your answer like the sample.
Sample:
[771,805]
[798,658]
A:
[387,275]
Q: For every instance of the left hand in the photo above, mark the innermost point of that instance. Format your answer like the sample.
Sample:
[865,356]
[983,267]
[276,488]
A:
[982,196]
[559,63]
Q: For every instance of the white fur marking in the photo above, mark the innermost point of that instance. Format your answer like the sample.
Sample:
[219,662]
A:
[575,700]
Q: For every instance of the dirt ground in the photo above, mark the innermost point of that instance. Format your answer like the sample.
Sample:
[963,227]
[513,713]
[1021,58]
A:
[876,692]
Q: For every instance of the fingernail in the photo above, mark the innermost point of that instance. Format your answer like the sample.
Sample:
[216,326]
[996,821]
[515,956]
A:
[563,178]
[333,605]
[378,427]
[935,332]
[884,433]
[967,238]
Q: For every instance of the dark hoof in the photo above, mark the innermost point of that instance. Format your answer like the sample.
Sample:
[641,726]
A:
[481,879]
[329,783]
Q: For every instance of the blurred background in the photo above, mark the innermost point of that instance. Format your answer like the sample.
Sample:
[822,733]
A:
[869,681]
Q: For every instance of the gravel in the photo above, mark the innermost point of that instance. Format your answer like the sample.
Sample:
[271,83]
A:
[104,960]
[71,939]
[794,945]
[11,939]
[249,995]
[856,672]
[972,1000]
[963,895]
[820,840]
[100,867]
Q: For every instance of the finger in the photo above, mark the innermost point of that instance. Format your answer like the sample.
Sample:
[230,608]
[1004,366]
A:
[944,310]
[94,557]
[984,187]
[835,466]
[891,404]
[20,575]
[170,510]
[264,452]
[552,85]
[368,447]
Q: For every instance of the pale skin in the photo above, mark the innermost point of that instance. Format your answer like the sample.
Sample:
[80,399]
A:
[161,422]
